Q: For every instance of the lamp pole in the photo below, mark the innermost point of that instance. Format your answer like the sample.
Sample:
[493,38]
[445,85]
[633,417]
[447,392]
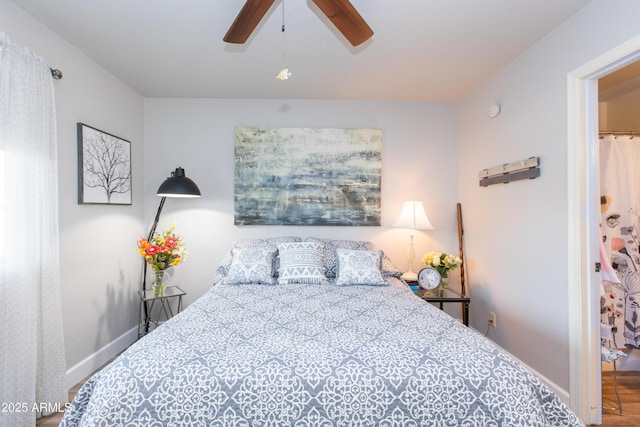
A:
[149,237]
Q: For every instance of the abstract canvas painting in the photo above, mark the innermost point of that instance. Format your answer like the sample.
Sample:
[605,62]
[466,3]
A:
[307,176]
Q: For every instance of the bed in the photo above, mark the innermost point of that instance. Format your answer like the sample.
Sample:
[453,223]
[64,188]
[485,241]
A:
[347,345]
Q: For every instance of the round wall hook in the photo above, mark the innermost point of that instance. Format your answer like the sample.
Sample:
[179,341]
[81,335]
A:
[494,109]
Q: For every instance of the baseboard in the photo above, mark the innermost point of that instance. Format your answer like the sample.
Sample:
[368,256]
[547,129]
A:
[91,363]
[562,393]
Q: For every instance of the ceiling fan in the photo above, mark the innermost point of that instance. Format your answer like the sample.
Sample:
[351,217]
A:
[340,12]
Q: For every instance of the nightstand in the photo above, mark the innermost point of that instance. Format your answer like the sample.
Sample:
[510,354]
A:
[162,306]
[442,296]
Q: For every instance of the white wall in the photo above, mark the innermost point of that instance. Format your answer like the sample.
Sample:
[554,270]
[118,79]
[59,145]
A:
[419,161]
[516,234]
[100,271]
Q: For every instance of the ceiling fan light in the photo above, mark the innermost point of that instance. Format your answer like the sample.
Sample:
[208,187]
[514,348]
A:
[284,74]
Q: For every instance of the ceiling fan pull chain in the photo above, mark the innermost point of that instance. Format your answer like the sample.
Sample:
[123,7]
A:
[283,52]
[284,73]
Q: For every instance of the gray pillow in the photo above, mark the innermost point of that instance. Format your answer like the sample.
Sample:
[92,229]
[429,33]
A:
[357,267]
[251,266]
[329,256]
[271,243]
[330,259]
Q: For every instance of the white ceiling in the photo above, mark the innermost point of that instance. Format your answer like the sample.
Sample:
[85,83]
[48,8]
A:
[437,50]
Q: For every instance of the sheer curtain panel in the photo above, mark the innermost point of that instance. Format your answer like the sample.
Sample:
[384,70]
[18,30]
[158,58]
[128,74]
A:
[32,360]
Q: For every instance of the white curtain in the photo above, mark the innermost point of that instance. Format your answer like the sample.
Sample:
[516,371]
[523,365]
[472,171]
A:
[32,361]
[620,227]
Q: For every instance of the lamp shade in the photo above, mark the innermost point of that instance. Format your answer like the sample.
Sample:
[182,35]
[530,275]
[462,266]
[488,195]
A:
[178,185]
[413,216]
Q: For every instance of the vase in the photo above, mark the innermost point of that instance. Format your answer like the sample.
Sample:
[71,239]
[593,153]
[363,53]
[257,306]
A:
[158,284]
[443,283]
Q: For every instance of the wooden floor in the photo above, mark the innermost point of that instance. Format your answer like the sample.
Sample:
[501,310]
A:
[628,388]
[53,420]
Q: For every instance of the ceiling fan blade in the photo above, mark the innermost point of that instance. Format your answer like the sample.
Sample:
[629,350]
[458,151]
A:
[346,19]
[247,20]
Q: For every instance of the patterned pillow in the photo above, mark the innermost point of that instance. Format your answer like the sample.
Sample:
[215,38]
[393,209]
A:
[359,268]
[251,266]
[329,257]
[389,269]
[270,243]
[301,263]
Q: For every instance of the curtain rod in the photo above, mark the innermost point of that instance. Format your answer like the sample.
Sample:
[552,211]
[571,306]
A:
[613,132]
[55,73]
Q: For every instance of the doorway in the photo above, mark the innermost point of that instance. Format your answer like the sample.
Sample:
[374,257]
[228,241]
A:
[619,159]
[583,220]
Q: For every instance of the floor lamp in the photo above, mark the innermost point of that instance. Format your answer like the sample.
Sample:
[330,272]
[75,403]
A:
[412,217]
[177,185]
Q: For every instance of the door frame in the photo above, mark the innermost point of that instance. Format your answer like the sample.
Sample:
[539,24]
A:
[582,227]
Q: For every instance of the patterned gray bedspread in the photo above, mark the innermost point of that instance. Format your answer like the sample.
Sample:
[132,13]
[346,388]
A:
[315,355]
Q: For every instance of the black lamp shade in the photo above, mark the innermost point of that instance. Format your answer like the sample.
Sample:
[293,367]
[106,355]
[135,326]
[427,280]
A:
[178,185]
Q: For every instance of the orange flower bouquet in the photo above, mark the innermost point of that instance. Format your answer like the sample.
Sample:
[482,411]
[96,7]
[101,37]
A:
[163,251]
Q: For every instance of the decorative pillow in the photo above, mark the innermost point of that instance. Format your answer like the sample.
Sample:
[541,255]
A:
[389,269]
[357,267]
[251,266]
[269,243]
[329,257]
[301,263]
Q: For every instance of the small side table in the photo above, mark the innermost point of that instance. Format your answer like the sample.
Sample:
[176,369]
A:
[442,296]
[149,299]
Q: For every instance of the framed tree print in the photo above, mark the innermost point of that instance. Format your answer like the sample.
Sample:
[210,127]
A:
[104,167]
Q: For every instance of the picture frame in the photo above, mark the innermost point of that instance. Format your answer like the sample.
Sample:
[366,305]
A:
[104,167]
[307,176]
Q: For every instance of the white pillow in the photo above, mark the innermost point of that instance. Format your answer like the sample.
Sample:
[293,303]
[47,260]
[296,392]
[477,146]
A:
[251,266]
[301,263]
[359,268]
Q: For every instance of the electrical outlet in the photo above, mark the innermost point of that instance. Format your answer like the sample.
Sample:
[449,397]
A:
[492,319]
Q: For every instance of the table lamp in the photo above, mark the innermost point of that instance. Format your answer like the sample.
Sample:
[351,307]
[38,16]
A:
[412,217]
